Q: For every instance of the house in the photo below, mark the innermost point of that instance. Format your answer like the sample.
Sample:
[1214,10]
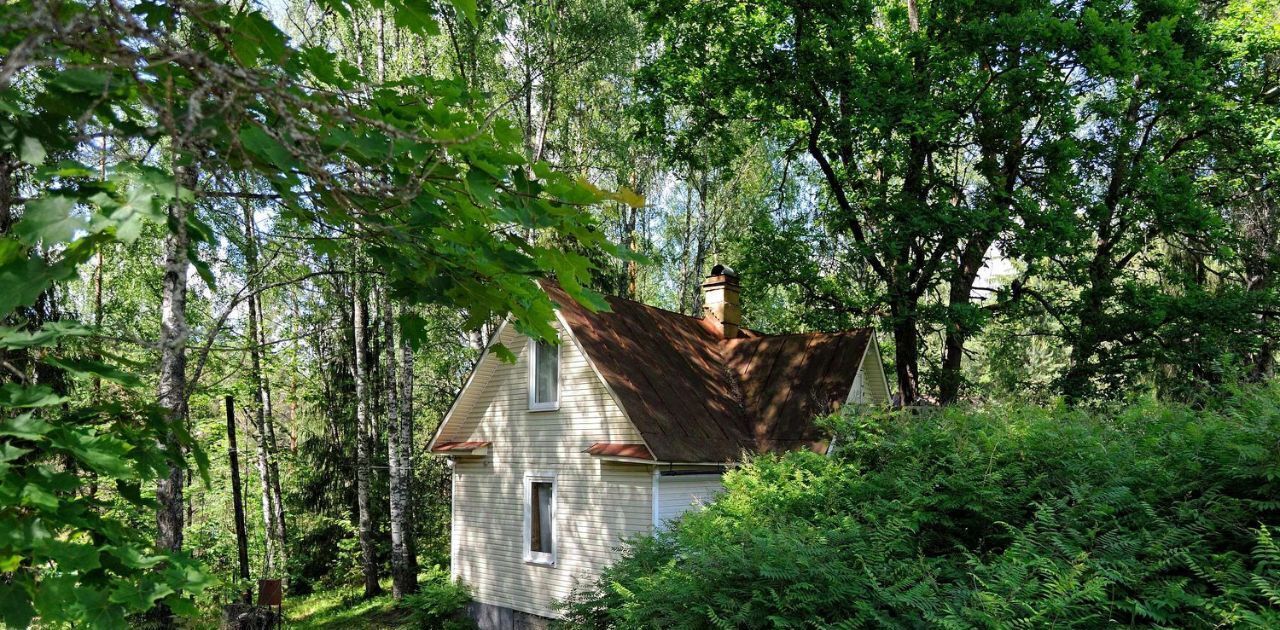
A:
[624,424]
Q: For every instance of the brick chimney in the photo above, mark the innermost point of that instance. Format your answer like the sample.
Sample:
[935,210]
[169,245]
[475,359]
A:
[721,305]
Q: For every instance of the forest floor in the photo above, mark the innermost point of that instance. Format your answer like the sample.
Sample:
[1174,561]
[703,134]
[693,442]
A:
[344,608]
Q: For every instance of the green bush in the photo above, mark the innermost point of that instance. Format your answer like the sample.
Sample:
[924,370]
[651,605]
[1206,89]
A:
[439,602]
[323,553]
[1011,516]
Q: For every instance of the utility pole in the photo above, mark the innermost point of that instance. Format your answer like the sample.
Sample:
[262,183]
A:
[242,541]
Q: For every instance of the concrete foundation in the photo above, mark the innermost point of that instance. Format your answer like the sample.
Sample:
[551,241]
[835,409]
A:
[491,617]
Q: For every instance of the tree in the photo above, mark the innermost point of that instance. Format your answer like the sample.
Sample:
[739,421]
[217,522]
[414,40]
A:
[946,132]
[885,106]
[364,436]
[436,191]
[399,436]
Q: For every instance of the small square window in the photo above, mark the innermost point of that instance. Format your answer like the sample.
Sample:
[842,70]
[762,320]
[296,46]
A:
[544,376]
[539,519]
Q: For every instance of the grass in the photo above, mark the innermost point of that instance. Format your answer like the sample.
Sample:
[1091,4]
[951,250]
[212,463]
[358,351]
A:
[344,608]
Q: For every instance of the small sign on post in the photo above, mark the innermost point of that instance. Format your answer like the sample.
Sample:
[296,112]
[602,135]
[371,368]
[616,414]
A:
[271,595]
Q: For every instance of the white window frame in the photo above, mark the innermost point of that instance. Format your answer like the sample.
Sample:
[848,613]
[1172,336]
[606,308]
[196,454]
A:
[551,405]
[531,556]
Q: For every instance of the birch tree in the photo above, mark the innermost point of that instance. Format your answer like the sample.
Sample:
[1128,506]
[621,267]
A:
[403,578]
[274,542]
[436,188]
[364,436]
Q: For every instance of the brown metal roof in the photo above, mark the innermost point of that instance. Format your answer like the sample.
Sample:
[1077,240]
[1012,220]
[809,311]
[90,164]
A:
[698,398]
[619,449]
[444,447]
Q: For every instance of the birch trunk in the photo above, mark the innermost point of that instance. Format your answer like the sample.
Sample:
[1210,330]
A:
[406,453]
[274,542]
[260,430]
[273,447]
[171,388]
[364,432]
[402,580]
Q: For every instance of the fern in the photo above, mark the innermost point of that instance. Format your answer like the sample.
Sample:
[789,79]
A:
[1003,517]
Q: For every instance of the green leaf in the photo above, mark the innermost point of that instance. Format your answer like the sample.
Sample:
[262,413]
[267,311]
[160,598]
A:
[71,556]
[11,250]
[18,396]
[36,495]
[504,354]
[50,334]
[261,145]
[132,557]
[9,452]
[88,368]
[102,453]
[99,610]
[25,534]
[202,268]
[182,606]
[82,80]
[140,596]
[254,36]
[23,280]
[629,197]
[15,605]
[414,17]
[321,63]
[190,577]
[53,595]
[131,492]
[25,427]
[467,8]
[413,328]
[139,204]
[32,152]
[49,219]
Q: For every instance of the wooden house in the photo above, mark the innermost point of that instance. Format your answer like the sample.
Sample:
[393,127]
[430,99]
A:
[626,423]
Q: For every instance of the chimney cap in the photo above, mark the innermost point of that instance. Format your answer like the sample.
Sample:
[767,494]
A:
[722,270]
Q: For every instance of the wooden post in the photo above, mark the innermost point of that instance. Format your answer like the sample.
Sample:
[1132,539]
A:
[242,541]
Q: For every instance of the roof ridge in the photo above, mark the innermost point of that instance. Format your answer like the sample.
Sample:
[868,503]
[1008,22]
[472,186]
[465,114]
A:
[803,334]
[656,308]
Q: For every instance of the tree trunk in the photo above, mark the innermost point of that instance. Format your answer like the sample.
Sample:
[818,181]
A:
[957,332]
[268,512]
[1264,359]
[951,377]
[906,353]
[1076,382]
[402,579]
[406,454]
[274,541]
[171,389]
[8,189]
[364,434]
[273,447]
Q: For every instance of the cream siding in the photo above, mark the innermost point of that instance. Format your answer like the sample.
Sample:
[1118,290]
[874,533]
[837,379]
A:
[857,393]
[678,494]
[875,388]
[597,503]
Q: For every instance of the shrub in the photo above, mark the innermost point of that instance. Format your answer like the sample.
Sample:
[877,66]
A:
[1010,516]
[439,602]
[323,553]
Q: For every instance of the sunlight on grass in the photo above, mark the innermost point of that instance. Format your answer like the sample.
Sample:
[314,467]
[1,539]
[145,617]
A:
[344,608]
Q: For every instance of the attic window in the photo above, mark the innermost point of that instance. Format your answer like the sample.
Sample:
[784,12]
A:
[540,518]
[544,376]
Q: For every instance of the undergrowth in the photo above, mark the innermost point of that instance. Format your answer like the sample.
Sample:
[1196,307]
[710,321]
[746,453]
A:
[1151,515]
